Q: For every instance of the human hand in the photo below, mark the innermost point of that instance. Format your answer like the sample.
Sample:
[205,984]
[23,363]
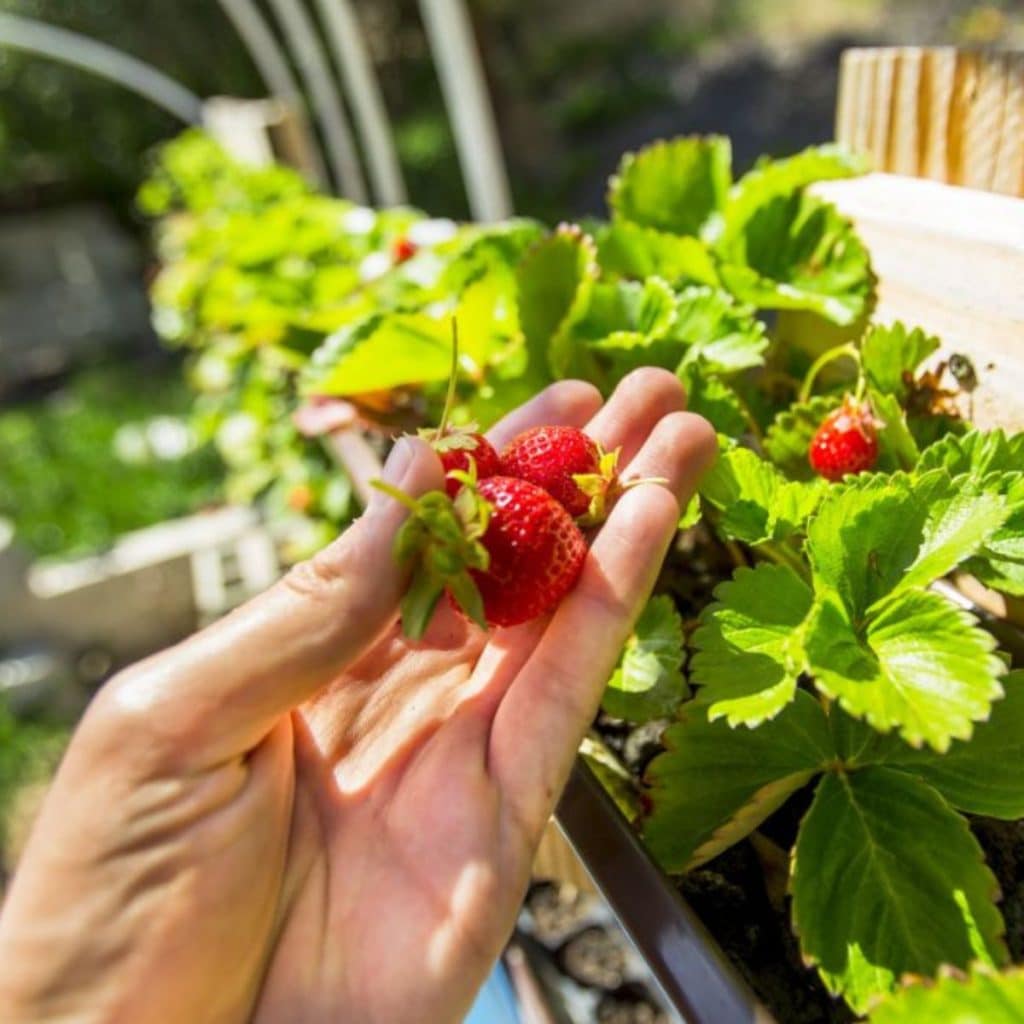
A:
[298,814]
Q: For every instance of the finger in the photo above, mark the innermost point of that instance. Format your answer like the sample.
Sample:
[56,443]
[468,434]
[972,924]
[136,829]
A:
[641,399]
[567,403]
[225,687]
[555,695]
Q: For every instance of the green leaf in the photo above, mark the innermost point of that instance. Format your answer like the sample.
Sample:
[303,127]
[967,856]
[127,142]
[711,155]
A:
[554,279]
[678,186]
[878,534]
[619,331]
[982,997]
[634,251]
[749,652]
[887,880]
[772,178]
[788,439]
[797,252]
[381,352]
[714,785]
[725,336]
[896,443]
[711,397]
[691,514]
[985,774]
[648,682]
[918,664]
[758,504]
[976,453]
[888,352]
[613,776]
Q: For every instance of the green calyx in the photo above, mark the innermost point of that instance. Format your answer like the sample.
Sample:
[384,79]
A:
[439,544]
[602,487]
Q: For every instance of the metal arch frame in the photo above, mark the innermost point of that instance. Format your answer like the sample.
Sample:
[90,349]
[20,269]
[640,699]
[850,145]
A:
[101,59]
[466,97]
[299,30]
[272,65]
[363,89]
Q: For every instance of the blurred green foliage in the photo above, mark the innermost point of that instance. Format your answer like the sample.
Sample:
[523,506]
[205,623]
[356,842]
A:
[29,752]
[107,453]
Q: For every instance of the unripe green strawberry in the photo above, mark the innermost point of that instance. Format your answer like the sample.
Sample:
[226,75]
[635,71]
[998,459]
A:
[569,465]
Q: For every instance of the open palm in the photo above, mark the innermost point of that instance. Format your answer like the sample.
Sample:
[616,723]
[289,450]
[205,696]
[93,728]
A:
[298,815]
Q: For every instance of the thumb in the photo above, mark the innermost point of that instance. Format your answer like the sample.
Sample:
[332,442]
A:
[224,688]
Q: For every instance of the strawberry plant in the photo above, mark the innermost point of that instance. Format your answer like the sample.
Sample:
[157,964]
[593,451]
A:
[803,698]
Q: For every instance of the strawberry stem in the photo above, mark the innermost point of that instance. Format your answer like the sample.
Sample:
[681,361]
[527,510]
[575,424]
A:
[394,492]
[453,377]
[823,360]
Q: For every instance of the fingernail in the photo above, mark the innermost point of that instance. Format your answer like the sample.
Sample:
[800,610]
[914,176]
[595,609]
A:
[398,461]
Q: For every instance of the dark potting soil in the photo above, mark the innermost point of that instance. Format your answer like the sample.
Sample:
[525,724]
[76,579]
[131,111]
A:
[730,897]
[1003,843]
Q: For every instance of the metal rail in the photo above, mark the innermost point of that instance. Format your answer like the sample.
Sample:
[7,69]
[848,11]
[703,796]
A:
[466,97]
[272,65]
[80,51]
[694,974]
[363,92]
[302,37]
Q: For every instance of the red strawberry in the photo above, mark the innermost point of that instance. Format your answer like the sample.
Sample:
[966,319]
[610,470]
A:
[504,550]
[455,450]
[402,249]
[536,552]
[568,464]
[846,441]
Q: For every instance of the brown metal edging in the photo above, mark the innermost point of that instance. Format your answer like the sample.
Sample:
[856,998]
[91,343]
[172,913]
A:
[695,975]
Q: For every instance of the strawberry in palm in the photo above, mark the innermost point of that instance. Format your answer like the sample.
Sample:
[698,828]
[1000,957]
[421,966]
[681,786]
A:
[846,442]
[455,449]
[567,464]
[504,550]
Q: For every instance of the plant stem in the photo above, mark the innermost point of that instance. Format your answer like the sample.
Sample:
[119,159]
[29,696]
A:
[782,554]
[848,349]
[453,377]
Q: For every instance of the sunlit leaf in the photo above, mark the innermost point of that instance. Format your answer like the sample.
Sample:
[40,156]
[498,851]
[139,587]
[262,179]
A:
[887,880]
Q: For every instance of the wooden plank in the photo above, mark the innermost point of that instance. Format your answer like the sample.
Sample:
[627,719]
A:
[905,136]
[953,115]
[937,95]
[950,260]
[1008,176]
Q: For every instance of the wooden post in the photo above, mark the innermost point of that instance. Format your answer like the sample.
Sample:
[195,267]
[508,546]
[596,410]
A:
[956,116]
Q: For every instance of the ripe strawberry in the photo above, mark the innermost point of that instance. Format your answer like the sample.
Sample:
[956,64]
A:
[455,449]
[504,550]
[402,249]
[846,441]
[535,552]
[569,465]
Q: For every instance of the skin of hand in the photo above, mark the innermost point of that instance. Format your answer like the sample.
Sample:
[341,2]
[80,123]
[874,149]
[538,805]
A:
[298,815]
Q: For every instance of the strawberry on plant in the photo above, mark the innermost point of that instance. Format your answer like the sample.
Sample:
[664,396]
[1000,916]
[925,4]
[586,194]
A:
[846,442]
[504,550]
[402,249]
[567,464]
